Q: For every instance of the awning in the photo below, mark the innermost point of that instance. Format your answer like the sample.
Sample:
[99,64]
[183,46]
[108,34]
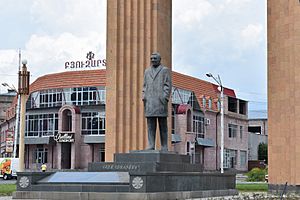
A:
[206,142]
[38,140]
[93,139]
[176,138]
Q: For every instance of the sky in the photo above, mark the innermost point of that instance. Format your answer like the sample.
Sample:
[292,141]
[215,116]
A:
[223,37]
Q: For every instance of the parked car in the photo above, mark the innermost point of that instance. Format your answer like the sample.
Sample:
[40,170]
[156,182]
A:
[9,168]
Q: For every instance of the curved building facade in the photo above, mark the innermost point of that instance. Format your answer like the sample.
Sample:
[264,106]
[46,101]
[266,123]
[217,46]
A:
[66,122]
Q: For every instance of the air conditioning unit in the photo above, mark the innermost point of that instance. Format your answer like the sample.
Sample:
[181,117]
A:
[207,121]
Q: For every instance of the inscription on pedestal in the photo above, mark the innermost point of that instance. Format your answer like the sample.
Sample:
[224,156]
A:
[114,166]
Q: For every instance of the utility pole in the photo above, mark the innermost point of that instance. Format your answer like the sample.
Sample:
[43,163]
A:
[23,92]
[221,89]
[222,127]
[17,124]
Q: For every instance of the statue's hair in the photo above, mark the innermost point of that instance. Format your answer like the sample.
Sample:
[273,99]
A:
[156,53]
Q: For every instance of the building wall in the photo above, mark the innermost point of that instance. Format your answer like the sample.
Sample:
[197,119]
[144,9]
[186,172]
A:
[86,155]
[211,161]
[211,155]
[254,141]
[263,123]
[181,129]
[81,153]
[5,103]
[238,143]
[8,125]
[213,131]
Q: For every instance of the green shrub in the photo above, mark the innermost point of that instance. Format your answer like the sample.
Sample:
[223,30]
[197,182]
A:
[263,152]
[256,174]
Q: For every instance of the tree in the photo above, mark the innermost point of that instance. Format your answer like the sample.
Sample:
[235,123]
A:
[263,152]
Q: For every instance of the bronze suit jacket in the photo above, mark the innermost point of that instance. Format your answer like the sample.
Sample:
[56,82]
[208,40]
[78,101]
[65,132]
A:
[156,91]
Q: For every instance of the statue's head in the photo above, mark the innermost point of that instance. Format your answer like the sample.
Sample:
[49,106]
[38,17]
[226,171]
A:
[155,59]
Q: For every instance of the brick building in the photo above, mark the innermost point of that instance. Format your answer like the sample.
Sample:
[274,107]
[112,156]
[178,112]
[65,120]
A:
[258,133]
[65,121]
[6,125]
[5,102]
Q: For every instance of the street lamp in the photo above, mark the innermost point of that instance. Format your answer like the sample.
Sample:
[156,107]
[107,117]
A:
[221,89]
[17,118]
[9,87]
[23,91]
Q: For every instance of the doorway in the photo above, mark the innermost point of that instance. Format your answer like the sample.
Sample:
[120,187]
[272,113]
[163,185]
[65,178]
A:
[66,155]
[66,146]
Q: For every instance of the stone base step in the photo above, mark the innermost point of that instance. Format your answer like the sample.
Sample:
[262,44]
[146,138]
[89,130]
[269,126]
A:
[122,195]
[61,187]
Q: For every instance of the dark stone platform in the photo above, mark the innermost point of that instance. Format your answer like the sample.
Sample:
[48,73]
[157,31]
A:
[147,161]
[277,189]
[147,173]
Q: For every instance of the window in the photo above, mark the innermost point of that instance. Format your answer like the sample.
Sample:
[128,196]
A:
[209,103]
[204,102]
[85,96]
[243,158]
[75,96]
[41,155]
[41,125]
[93,123]
[232,130]
[254,129]
[102,153]
[187,148]
[241,132]
[219,105]
[173,120]
[47,98]
[198,125]
[189,121]
[229,158]
[232,104]
[180,96]
[242,107]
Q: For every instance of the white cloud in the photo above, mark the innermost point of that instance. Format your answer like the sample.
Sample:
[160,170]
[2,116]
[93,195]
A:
[76,16]
[65,30]
[9,66]
[188,12]
[47,54]
[252,35]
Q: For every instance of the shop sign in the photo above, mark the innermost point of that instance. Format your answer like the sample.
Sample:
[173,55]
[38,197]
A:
[64,137]
[9,144]
[9,148]
[89,63]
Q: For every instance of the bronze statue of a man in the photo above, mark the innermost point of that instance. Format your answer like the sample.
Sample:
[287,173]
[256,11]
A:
[156,93]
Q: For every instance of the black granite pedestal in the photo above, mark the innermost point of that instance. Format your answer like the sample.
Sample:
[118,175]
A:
[147,161]
[135,175]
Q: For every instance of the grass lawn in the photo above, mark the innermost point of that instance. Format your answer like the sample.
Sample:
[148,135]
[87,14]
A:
[260,187]
[7,189]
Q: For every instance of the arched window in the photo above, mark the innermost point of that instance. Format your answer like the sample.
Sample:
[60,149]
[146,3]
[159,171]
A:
[204,102]
[189,121]
[219,105]
[209,103]
[67,120]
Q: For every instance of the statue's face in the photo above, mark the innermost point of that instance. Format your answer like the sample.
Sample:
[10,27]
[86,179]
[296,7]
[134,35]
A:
[155,60]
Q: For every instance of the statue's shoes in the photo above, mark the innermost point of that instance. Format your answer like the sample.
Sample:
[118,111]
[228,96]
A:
[149,148]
